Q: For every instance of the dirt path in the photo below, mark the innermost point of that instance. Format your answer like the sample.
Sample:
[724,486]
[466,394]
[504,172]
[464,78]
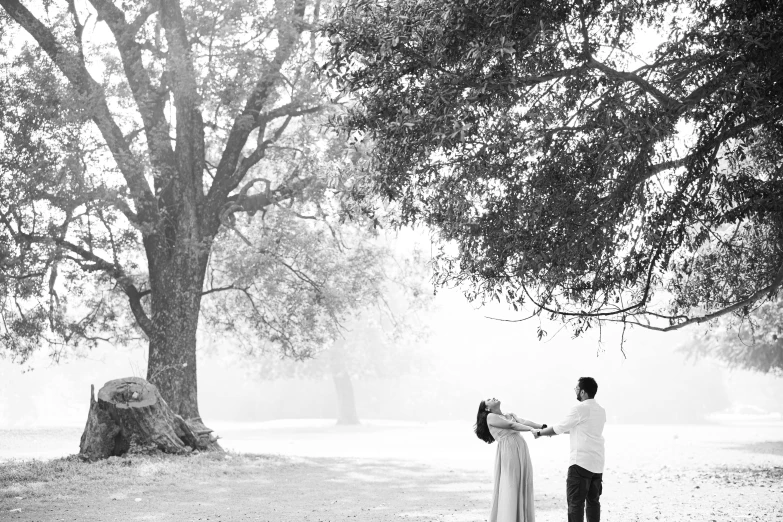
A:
[278,489]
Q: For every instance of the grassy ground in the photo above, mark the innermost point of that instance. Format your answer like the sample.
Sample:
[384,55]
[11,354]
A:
[232,487]
[238,487]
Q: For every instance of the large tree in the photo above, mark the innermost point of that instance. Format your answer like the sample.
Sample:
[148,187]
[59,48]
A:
[578,173]
[132,132]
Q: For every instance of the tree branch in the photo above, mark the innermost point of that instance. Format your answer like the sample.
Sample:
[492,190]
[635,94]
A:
[112,269]
[147,10]
[709,145]
[289,111]
[767,291]
[148,102]
[189,154]
[110,197]
[75,70]
[716,141]
[246,122]
[262,200]
[644,85]
[222,289]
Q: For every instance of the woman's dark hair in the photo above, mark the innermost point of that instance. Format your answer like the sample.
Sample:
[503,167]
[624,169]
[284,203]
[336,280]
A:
[481,428]
[589,385]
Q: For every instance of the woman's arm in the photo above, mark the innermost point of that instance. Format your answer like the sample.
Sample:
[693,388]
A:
[526,422]
[498,421]
[516,426]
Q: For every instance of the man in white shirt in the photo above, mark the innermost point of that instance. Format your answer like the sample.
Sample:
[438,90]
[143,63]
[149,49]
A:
[585,424]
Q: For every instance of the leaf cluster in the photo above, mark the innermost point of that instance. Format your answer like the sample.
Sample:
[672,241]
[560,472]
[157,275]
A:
[49,198]
[753,342]
[291,288]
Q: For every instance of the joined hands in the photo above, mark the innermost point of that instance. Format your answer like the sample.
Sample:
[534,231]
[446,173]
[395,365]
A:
[537,433]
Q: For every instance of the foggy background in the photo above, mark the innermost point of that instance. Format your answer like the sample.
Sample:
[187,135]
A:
[468,357]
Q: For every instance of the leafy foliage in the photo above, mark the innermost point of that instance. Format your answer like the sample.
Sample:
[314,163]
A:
[293,287]
[574,176]
[754,342]
[46,191]
[131,135]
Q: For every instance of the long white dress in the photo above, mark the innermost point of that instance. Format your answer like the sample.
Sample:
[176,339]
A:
[512,500]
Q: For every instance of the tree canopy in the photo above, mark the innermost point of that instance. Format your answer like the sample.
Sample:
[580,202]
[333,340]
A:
[577,173]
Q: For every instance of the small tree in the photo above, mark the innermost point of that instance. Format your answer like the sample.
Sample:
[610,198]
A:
[372,345]
[754,342]
[338,302]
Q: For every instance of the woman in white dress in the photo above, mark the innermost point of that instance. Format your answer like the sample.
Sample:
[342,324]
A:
[512,498]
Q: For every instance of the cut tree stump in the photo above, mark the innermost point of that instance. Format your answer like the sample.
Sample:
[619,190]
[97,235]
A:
[130,416]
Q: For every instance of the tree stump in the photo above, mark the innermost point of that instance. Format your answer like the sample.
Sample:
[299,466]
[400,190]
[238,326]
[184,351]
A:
[130,416]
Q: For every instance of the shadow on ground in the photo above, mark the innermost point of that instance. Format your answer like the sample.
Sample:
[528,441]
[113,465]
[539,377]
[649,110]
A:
[258,488]
[766,448]
[244,487]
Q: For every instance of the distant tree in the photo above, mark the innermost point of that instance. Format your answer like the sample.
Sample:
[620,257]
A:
[371,345]
[754,342]
[376,344]
[130,136]
[341,302]
[692,391]
[576,178]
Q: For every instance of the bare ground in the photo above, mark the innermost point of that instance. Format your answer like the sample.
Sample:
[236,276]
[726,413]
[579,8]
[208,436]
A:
[272,488]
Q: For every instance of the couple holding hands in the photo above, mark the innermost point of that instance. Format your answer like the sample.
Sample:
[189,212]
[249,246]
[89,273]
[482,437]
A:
[512,499]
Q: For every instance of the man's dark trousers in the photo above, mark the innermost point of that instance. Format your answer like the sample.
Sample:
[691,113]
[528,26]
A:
[581,486]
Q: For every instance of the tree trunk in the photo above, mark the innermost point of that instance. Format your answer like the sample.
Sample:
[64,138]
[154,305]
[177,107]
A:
[130,416]
[177,284]
[346,403]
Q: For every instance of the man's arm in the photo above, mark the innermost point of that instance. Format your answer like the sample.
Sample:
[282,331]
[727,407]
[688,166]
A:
[546,432]
[565,426]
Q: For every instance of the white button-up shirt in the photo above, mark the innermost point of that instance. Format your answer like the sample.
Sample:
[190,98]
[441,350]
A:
[585,423]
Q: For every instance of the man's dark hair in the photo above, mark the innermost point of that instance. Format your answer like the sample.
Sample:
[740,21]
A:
[589,385]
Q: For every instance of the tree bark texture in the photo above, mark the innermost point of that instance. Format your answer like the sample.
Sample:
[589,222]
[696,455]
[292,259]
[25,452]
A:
[130,416]
[176,280]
